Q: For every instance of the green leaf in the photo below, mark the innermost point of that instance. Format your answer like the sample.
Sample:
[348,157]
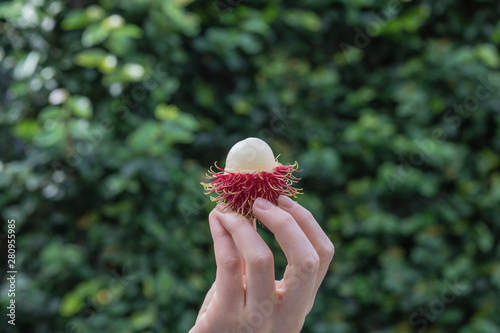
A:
[242,107]
[305,19]
[166,112]
[249,43]
[144,136]
[108,64]
[255,25]
[80,106]
[11,10]
[113,22]
[182,3]
[488,54]
[51,112]
[94,34]
[74,301]
[186,121]
[133,72]
[75,19]
[27,66]
[52,134]
[90,58]
[27,130]
[79,18]
[95,13]
[484,237]
[142,320]
[70,305]
[128,30]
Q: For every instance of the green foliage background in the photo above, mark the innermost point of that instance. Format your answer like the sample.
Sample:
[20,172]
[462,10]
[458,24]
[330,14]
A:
[111,112]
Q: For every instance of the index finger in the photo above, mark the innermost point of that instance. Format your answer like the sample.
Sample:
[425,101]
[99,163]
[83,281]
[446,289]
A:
[229,278]
[258,258]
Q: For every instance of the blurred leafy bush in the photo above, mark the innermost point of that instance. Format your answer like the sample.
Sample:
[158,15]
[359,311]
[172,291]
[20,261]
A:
[111,112]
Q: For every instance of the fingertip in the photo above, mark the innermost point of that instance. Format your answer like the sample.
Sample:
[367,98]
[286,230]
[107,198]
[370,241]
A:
[262,204]
[213,218]
[286,202]
[212,214]
[216,228]
[230,218]
[217,215]
[266,212]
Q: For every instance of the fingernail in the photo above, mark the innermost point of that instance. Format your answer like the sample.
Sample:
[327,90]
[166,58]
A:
[262,203]
[286,202]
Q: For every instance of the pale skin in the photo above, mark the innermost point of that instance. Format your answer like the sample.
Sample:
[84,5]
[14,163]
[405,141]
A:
[245,297]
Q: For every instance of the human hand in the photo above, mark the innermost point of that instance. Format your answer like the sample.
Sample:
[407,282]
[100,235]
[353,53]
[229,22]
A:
[245,296]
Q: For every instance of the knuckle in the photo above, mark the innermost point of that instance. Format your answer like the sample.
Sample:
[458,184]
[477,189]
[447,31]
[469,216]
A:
[263,261]
[311,264]
[326,251]
[231,263]
[256,320]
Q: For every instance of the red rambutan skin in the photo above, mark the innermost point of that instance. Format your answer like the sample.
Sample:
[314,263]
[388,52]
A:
[238,191]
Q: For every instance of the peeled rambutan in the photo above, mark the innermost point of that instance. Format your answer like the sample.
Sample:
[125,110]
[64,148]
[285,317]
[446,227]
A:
[251,172]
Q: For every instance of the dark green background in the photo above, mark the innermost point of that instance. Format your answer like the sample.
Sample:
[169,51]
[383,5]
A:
[112,111]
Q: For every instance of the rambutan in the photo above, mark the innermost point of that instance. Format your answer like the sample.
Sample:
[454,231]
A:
[251,172]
